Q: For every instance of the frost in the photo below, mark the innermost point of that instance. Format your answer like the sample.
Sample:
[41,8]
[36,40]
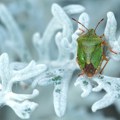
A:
[61,69]
[18,102]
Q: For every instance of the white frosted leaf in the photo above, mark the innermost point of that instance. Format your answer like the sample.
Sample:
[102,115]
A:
[9,74]
[4,69]
[24,109]
[30,71]
[74,8]
[63,19]
[48,77]
[111,26]
[107,100]
[84,19]
[111,85]
[85,85]
[14,34]
[22,97]
[60,97]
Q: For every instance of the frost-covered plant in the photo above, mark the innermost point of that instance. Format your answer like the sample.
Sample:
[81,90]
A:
[56,48]
[111,85]
[58,76]
[8,76]
[60,70]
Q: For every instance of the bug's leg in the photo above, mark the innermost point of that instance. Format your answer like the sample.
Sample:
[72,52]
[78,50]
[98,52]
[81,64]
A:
[82,31]
[82,73]
[106,44]
[77,59]
[106,59]
[113,51]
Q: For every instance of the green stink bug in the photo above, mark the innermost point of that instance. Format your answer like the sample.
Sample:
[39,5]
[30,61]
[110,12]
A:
[90,52]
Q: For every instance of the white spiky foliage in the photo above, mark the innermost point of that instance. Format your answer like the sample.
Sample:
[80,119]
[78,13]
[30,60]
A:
[60,65]
[8,76]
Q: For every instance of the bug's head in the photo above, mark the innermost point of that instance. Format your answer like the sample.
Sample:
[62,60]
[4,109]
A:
[91,32]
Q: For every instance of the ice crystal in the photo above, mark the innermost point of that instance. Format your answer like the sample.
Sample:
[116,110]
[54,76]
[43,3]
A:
[18,102]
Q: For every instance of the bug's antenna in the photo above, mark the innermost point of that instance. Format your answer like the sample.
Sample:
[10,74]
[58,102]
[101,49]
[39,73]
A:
[99,23]
[80,24]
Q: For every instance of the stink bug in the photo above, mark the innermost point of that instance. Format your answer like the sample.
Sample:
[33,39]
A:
[90,51]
